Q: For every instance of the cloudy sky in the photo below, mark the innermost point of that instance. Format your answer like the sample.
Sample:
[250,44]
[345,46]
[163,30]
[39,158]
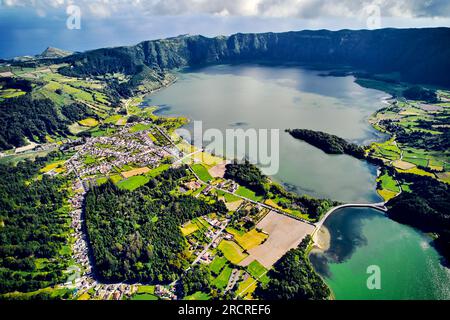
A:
[29,26]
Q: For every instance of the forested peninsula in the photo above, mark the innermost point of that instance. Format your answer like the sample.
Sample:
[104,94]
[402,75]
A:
[328,143]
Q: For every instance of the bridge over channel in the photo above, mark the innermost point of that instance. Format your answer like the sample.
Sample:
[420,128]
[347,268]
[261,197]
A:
[381,206]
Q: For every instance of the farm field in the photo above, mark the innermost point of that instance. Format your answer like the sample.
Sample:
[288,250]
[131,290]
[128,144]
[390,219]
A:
[228,196]
[415,155]
[403,165]
[144,296]
[208,159]
[53,166]
[157,171]
[114,119]
[257,271]
[146,289]
[246,287]
[248,240]
[88,122]
[232,251]
[417,171]
[140,127]
[217,264]
[202,172]
[284,232]
[132,183]
[135,172]
[388,182]
[222,279]
[444,176]
[198,296]
[188,228]
[249,194]
[218,171]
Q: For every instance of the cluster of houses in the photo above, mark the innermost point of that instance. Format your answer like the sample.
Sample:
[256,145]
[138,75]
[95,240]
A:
[80,246]
[228,185]
[165,292]
[86,281]
[192,185]
[206,191]
[117,151]
[215,222]
[215,235]
[115,291]
[216,241]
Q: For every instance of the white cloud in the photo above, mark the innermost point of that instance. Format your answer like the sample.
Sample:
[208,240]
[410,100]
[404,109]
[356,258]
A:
[100,10]
[261,8]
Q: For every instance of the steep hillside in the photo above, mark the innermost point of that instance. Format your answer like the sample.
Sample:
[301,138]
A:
[417,55]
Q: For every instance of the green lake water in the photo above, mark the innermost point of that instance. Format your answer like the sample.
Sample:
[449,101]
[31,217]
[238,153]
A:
[409,266]
[250,96]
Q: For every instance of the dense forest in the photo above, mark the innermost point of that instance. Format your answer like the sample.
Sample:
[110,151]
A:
[24,117]
[135,236]
[14,83]
[328,143]
[76,111]
[195,279]
[426,207]
[293,278]
[27,118]
[422,94]
[33,227]
[247,175]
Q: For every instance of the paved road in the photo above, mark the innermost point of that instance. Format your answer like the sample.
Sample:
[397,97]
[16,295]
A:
[218,234]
